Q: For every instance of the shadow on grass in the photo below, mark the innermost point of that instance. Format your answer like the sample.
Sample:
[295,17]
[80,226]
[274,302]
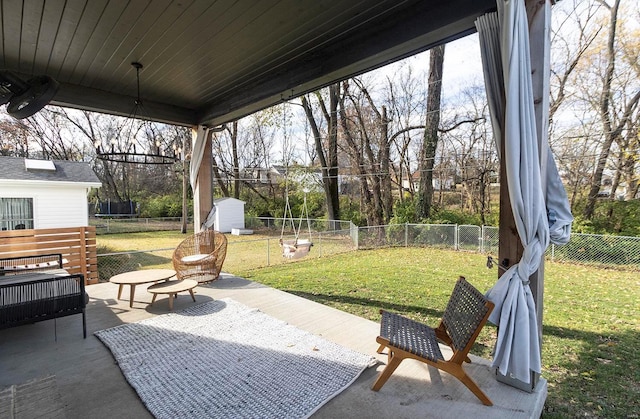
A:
[412,311]
[366,302]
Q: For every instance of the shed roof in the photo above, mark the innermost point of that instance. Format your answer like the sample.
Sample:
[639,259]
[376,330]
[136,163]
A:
[15,168]
[227,199]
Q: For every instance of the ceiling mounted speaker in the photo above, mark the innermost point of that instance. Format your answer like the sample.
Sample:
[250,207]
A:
[24,99]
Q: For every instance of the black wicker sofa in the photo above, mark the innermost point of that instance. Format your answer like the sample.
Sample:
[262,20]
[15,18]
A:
[36,288]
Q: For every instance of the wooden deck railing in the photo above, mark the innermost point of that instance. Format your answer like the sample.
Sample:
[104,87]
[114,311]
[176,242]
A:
[76,244]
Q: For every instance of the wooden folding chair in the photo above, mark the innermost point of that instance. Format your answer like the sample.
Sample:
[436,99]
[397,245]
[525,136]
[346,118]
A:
[464,317]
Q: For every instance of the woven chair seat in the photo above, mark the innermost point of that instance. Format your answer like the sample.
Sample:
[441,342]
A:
[411,336]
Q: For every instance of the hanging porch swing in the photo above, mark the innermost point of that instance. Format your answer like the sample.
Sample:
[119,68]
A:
[295,248]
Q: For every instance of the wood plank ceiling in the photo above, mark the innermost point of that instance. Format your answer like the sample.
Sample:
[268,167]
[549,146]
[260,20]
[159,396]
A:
[209,62]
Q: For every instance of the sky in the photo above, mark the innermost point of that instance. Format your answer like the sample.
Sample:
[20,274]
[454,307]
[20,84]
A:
[462,65]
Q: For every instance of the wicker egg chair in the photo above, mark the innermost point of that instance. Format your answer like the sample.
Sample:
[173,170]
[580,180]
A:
[200,256]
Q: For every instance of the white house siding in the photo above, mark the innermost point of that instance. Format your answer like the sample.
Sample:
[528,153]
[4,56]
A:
[55,204]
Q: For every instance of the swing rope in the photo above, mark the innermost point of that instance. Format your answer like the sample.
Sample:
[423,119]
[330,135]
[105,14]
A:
[288,215]
[305,212]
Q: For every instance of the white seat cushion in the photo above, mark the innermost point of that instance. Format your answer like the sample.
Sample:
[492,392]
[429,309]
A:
[194,258]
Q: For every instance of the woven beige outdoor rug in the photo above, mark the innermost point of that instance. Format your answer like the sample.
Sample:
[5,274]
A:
[223,359]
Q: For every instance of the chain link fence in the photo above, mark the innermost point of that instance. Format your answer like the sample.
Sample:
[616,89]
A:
[243,252]
[587,249]
[333,237]
[489,240]
[110,264]
[597,249]
[470,238]
[136,225]
[482,239]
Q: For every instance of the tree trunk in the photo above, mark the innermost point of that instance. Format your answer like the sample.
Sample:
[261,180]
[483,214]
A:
[605,96]
[616,178]
[331,181]
[218,177]
[366,197]
[328,157]
[432,120]
[236,163]
[372,128]
[630,178]
[185,186]
[385,172]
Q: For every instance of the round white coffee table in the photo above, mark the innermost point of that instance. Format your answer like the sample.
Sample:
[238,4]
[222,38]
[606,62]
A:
[144,276]
[172,288]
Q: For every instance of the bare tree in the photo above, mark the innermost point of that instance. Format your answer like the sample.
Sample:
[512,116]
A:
[576,158]
[365,133]
[72,135]
[406,103]
[632,158]
[597,76]
[233,132]
[432,122]
[15,138]
[326,145]
[242,148]
[573,36]
[467,143]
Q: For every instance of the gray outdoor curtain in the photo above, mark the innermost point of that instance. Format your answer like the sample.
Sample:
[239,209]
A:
[540,206]
[198,147]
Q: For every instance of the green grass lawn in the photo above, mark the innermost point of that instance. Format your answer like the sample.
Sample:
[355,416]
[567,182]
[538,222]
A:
[591,331]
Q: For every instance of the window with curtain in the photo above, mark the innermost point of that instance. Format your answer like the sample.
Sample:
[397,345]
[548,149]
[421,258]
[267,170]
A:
[16,213]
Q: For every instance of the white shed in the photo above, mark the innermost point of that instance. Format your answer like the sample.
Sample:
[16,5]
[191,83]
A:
[36,194]
[229,214]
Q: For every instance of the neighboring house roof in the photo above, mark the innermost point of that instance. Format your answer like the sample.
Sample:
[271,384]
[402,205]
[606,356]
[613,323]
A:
[15,168]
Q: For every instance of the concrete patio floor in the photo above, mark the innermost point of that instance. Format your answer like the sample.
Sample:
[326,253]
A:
[91,384]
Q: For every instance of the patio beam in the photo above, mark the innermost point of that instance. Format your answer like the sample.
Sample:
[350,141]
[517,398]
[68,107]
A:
[85,98]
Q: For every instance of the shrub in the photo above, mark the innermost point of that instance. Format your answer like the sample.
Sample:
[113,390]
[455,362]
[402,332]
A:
[447,216]
[164,206]
[404,212]
[599,249]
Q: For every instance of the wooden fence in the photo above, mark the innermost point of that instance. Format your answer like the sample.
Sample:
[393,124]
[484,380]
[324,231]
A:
[76,244]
